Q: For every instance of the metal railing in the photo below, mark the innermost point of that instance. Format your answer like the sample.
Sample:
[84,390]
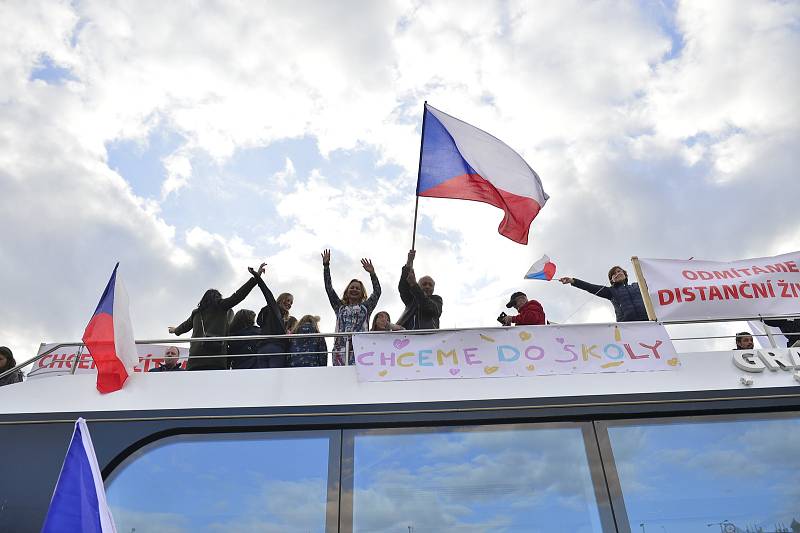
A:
[348,335]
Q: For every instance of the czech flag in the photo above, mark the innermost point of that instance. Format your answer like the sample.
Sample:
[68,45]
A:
[460,161]
[79,500]
[109,337]
[542,269]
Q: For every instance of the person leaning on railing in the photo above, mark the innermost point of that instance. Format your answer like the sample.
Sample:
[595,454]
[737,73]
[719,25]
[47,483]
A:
[7,362]
[626,299]
[210,319]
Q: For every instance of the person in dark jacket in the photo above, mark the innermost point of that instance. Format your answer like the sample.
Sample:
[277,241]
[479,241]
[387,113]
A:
[626,299]
[271,321]
[171,363]
[308,351]
[530,312]
[243,325]
[790,327]
[210,319]
[423,308]
[7,362]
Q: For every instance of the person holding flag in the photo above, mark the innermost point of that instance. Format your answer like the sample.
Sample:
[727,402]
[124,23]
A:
[626,299]
[423,308]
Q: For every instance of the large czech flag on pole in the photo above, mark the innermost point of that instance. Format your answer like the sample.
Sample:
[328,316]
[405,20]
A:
[79,500]
[461,161]
[109,337]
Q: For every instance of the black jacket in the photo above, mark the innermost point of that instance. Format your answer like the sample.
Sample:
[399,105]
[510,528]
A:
[270,320]
[243,348]
[789,327]
[626,299]
[421,312]
[212,322]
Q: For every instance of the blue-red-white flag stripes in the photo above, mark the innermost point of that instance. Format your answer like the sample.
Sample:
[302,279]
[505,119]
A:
[543,269]
[79,499]
[461,161]
[109,337]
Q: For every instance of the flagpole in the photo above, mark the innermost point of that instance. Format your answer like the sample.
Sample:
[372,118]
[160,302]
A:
[419,171]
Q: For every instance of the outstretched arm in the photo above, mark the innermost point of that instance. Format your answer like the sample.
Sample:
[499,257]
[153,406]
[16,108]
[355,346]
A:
[184,327]
[268,296]
[597,290]
[372,301]
[336,303]
[237,297]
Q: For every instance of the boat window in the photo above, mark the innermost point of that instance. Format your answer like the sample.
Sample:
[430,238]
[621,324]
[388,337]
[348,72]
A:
[487,478]
[706,475]
[229,482]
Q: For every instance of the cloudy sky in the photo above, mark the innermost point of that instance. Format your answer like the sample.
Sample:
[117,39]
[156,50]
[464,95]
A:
[188,140]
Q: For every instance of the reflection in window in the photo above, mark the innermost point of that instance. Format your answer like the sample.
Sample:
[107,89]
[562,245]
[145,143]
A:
[701,477]
[232,482]
[475,480]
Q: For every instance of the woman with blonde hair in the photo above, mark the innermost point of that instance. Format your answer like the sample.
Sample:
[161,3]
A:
[285,301]
[352,310]
[308,351]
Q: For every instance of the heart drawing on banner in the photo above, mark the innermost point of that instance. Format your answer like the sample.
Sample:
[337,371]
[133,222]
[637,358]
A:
[401,343]
[383,373]
[489,370]
[524,335]
[454,371]
[530,368]
[673,362]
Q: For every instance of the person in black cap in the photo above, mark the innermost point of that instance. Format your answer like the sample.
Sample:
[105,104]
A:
[530,312]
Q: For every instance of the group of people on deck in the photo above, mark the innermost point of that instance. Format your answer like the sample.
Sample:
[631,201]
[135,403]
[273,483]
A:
[289,347]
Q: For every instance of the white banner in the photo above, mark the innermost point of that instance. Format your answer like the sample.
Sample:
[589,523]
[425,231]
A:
[691,290]
[60,362]
[514,351]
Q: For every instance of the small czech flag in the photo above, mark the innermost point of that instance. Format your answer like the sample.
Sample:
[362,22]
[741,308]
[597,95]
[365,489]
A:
[542,269]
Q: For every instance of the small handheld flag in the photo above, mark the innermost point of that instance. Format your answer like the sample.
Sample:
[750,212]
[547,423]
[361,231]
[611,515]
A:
[79,499]
[458,160]
[542,269]
[109,337]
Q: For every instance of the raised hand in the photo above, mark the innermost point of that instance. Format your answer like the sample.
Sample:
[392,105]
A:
[410,260]
[566,281]
[367,264]
[326,257]
[261,270]
[412,277]
[171,329]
